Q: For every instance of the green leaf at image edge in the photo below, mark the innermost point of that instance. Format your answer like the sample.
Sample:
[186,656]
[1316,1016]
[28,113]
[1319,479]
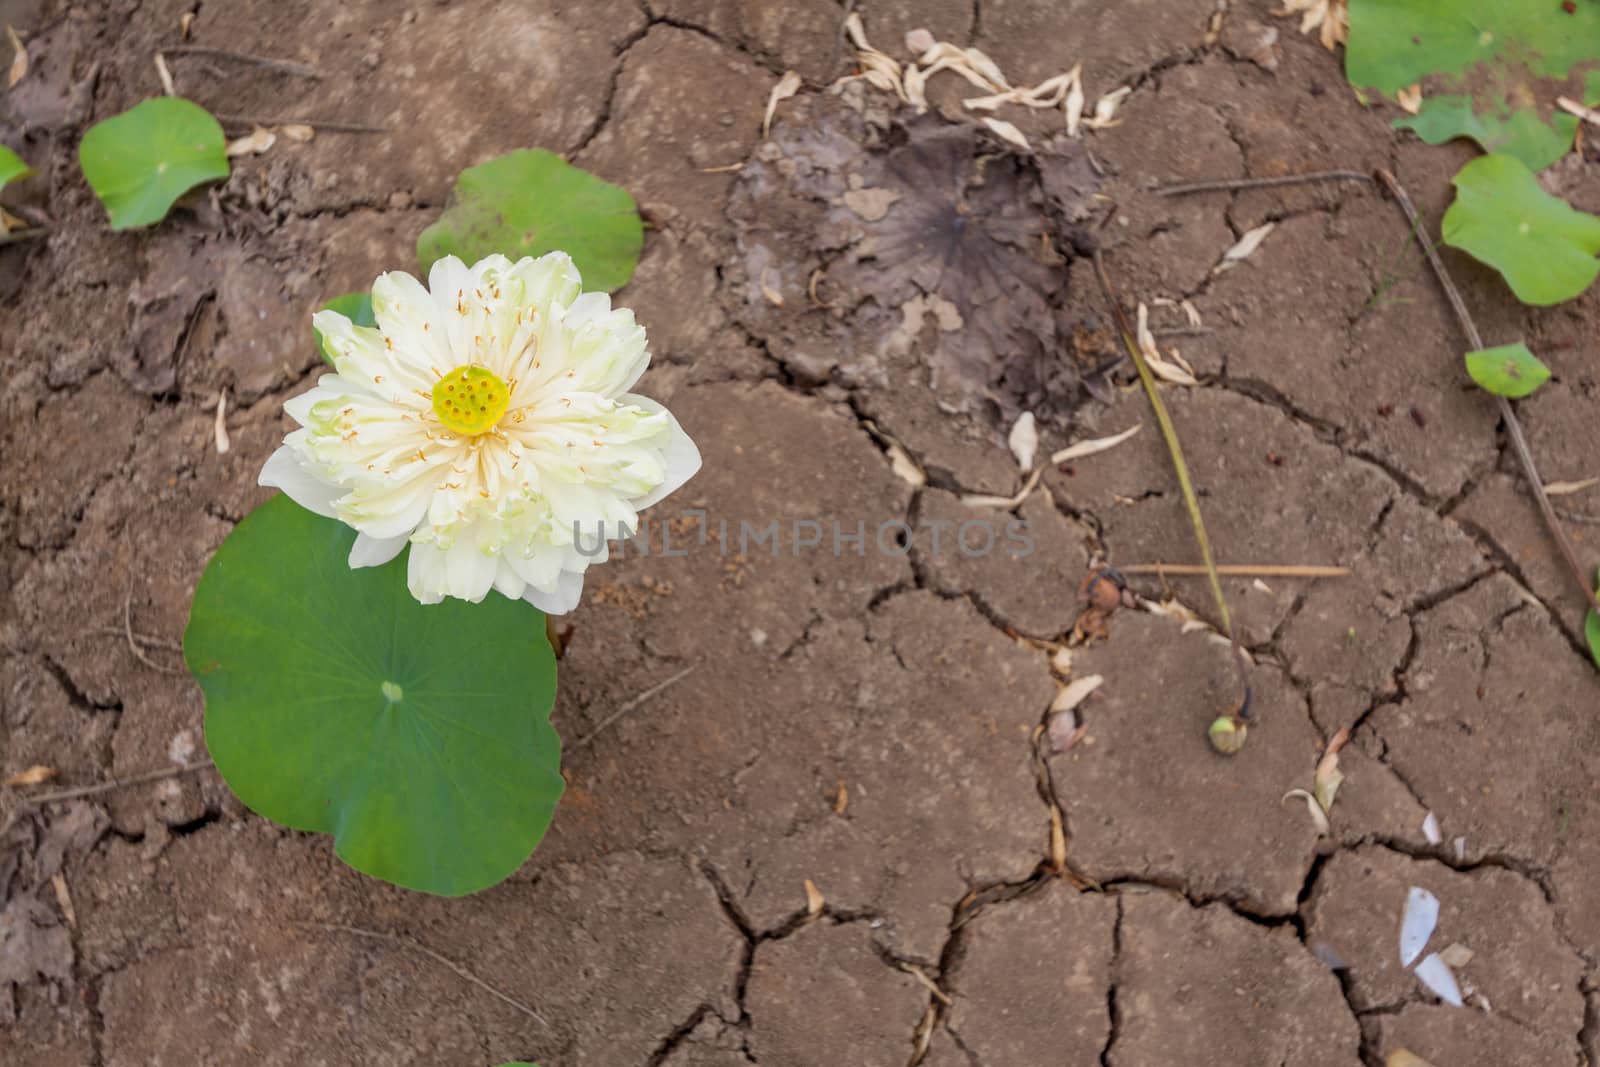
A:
[1394,43]
[11,166]
[419,736]
[1591,630]
[357,307]
[139,162]
[1542,246]
[1507,370]
[1591,627]
[530,202]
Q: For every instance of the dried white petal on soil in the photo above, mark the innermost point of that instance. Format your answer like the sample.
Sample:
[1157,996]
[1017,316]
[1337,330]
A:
[165,75]
[1402,1057]
[1568,488]
[1434,973]
[787,86]
[19,60]
[1105,109]
[1008,131]
[1456,955]
[1074,102]
[1005,503]
[1416,923]
[1318,816]
[916,86]
[919,41]
[298,132]
[858,34]
[1162,369]
[1244,247]
[220,429]
[1093,445]
[255,142]
[1024,440]
[1170,372]
[1409,99]
[1075,692]
[1328,777]
[814,900]
[904,466]
[1461,849]
[986,68]
[32,776]
[774,297]
[989,103]
[1430,828]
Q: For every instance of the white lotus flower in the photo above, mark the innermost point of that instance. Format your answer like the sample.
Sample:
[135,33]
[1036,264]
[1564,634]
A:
[485,423]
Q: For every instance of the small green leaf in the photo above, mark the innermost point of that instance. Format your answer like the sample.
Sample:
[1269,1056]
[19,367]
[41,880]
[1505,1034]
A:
[531,202]
[1591,627]
[1501,215]
[357,307]
[140,162]
[1509,370]
[419,736]
[11,166]
[1518,133]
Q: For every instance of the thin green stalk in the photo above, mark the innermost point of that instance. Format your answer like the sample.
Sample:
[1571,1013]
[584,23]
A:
[1190,499]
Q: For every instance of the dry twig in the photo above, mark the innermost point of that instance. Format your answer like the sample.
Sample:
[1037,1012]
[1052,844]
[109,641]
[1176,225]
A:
[1234,184]
[319,126]
[1244,570]
[40,799]
[127,630]
[287,66]
[443,961]
[630,706]
[1241,711]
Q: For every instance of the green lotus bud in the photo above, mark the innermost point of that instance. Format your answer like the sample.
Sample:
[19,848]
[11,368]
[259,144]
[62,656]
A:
[1227,734]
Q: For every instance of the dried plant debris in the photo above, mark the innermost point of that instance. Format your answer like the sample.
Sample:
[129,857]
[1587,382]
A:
[1417,921]
[894,220]
[909,83]
[1330,17]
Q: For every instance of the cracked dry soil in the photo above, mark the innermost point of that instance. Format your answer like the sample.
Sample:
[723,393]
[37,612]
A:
[665,919]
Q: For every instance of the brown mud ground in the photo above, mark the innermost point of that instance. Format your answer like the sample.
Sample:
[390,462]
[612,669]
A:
[665,920]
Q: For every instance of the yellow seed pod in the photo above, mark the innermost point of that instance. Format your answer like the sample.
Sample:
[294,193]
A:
[470,400]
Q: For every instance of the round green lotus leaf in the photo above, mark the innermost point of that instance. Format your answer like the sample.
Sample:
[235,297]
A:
[418,736]
[531,202]
[139,162]
[357,307]
[1492,68]
[1394,43]
[1507,370]
[1501,215]
[11,166]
